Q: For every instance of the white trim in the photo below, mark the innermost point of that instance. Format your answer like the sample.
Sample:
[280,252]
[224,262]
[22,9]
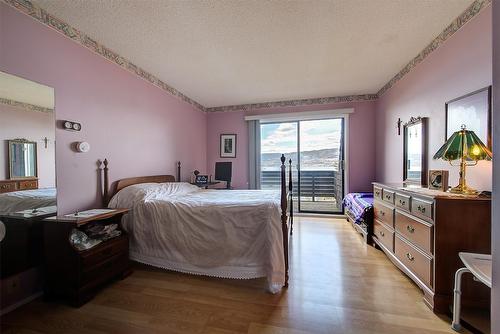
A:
[346,153]
[20,303]
[300,116]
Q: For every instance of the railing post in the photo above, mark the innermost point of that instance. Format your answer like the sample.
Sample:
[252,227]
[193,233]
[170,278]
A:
[313,187]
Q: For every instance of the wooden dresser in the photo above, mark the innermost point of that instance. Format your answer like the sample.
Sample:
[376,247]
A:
[422,231]
[7,186]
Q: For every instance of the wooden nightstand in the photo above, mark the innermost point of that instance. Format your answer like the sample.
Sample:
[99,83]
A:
[78,274]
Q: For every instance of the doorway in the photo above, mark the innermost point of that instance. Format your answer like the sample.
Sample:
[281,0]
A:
[317,150]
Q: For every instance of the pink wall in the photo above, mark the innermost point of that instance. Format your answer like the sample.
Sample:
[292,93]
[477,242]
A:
[33,126]
[361,141]
[229,122]
[141,129]
[495,296]
[461,65]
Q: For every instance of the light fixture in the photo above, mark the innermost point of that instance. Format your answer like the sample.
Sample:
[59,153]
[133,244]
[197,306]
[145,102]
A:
[463,145]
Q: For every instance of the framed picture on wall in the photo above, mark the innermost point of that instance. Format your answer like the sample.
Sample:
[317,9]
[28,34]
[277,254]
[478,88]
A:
[474,111]
[228,146]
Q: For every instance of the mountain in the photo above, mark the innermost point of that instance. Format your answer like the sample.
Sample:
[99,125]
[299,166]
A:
[310,160]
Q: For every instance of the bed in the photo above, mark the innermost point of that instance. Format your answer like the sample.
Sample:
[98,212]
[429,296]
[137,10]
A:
[239,234]
[359,212]
[27,199]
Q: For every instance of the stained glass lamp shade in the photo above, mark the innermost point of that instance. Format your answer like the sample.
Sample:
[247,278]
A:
[463,145]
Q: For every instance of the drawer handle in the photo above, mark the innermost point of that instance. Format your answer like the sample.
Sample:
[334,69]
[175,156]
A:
[410,257]
[382,213]
[421,208]
[377,193]
[410,229]
[388,196]
[382,233]
[402,202]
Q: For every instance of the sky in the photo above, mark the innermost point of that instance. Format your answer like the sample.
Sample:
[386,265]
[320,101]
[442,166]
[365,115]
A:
[314,135]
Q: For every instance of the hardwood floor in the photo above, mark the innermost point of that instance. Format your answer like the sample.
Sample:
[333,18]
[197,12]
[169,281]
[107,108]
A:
[337,285]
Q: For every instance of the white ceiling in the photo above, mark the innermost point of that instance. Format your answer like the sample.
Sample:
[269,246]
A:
[26,91]
[225,52]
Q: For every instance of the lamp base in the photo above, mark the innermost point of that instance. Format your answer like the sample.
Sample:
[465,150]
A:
[463,189]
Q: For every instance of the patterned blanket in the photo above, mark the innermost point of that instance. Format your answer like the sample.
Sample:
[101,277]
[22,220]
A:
[359,205]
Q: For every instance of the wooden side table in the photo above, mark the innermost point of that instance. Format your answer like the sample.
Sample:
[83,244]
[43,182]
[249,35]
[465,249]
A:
[75,274]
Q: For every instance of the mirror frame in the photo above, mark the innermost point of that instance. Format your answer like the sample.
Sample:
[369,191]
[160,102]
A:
[423,176]
[22,141]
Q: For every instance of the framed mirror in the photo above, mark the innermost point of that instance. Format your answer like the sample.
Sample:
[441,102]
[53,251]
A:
[415,151]
[22,159]
[27,147]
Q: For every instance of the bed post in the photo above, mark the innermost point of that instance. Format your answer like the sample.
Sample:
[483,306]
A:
[178,171]
[284,222]
[290,193]
[106,184]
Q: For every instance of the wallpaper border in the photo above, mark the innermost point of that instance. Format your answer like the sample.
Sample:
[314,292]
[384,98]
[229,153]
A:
[29,8]
[25,106]
[451,29]
[295,103]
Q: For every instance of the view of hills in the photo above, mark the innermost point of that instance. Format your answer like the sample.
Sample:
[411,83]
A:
[310,160]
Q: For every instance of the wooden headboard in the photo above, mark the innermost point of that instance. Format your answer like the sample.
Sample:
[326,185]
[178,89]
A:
[143,179]
[123,183]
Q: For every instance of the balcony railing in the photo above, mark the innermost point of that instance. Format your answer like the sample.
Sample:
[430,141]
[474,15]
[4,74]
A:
[320,190]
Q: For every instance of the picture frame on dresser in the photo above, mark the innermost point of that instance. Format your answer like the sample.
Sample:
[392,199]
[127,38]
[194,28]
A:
[438,179]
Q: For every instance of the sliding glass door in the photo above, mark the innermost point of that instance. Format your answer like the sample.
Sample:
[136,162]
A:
[316,148]
[277,139]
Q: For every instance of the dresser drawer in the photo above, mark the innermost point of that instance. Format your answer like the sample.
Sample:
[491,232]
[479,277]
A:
[384,235]
[402,201]
[104,270]
[414,260]
[28,184]
[422,209]
[417,231]
[377,192]
[105,250]
[383,213]
[6,187]
[388,196]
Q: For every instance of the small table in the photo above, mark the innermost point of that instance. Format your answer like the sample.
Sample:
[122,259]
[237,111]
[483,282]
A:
[22,247]
[479,265]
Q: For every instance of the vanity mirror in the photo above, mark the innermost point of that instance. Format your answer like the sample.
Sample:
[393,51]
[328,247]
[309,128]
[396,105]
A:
[27,150]
[415,151]
[22,159]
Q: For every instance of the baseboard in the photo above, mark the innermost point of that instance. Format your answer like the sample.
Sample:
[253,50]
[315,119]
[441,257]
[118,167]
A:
[319,215]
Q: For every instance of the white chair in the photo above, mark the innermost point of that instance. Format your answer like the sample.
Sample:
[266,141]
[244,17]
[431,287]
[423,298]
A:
[479,265]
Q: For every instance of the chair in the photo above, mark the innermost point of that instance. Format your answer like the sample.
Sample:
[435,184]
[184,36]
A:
[479,265]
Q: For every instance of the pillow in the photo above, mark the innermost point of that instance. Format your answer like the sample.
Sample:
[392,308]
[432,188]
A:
[129,196]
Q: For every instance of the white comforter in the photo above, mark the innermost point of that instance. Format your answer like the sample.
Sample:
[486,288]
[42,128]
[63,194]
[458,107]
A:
[27,199]
[221,233]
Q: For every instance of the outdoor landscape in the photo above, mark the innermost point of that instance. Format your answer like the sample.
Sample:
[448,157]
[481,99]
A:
[324,159]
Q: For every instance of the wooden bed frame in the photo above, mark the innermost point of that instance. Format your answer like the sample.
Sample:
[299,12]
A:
[286,198]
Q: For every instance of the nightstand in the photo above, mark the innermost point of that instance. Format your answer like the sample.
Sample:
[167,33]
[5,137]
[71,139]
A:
[21,256]
[78,274]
